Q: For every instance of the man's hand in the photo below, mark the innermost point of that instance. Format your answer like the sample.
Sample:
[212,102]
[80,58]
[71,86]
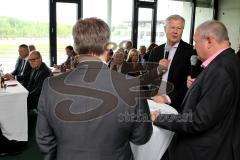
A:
[8,76]
[160,99]
[190,81]
[154,115]
[164,63]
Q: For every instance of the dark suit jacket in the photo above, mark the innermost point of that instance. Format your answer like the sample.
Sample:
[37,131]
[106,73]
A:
[23,79]
[34,86]
[124,69]
[135,70]
[85,114]
[179,70]
[145,57]
[207,128]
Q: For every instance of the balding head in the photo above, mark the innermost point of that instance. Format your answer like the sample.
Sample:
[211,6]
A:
[35,59]
[210,37]
[214,29]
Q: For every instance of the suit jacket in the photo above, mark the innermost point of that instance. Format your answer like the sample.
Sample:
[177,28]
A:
[86,114]
[134,70]
[24,78]
[207,128]
[34,86]
[124,69]
[179,70]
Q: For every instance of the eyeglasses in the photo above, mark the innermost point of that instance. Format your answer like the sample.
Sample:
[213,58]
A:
[33,59]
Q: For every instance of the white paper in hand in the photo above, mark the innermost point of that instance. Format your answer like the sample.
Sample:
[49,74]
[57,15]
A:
[160,140]
[164,108]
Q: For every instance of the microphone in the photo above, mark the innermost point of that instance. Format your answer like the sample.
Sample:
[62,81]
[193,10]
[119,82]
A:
[166,52]
[194,67]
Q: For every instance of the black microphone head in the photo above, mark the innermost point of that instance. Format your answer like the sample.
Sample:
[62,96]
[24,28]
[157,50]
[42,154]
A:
[194,60]
[166,52]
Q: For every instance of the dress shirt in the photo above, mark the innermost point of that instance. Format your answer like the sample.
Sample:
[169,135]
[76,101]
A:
[163,86]
[210,59]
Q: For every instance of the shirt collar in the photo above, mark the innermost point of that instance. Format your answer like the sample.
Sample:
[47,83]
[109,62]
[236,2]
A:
[210,59]
[174,46]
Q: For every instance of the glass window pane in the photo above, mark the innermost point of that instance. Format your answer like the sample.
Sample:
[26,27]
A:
[144,26]
[121,21]
[21,23]
[90,11]
[203,14]
[66,18]
[167,8]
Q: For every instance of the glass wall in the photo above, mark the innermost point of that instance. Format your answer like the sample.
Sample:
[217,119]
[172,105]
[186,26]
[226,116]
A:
[117,14]
[167,8]
[121,26]
[23,21]
[66,18]
[203,14]
[144,26]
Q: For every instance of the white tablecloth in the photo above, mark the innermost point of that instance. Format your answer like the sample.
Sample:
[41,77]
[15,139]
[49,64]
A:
[160,140]
[13,112]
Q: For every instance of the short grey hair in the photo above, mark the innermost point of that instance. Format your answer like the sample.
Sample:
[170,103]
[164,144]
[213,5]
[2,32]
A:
[37,53]
[90,36]
[119,51]
[215,29]
[175,17]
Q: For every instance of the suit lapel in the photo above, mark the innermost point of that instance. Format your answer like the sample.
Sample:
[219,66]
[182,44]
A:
[176,61]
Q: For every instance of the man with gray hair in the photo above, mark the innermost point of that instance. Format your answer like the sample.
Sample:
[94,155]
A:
[39,73]
[175,55]
[208,126]
[85,114]
[118,62]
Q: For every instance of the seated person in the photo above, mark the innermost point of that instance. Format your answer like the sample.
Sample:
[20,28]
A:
[31,48]
[38,74]
[70,62]
[134,67]
[238,52]
[22,68]
[118,63]
[143,56]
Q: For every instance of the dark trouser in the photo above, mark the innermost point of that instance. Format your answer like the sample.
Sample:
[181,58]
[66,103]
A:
[10,146]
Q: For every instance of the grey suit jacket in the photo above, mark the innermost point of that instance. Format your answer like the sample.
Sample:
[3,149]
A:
[90,114]
[206,129]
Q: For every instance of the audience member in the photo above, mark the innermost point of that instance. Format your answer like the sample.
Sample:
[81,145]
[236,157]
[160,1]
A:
[31,48]
[207,126]
[70,61]
[76,105]
[238,52]
[22,68]
[128,47]
[143,56]
[134,66]
[151,47]
[39,72]
[118,62]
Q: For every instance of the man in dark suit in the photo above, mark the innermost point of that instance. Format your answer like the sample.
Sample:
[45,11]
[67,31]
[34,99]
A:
[22,68]
[143,56]
[173,87]
[207,126]
[80,113]
[118,62]
[39,72]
